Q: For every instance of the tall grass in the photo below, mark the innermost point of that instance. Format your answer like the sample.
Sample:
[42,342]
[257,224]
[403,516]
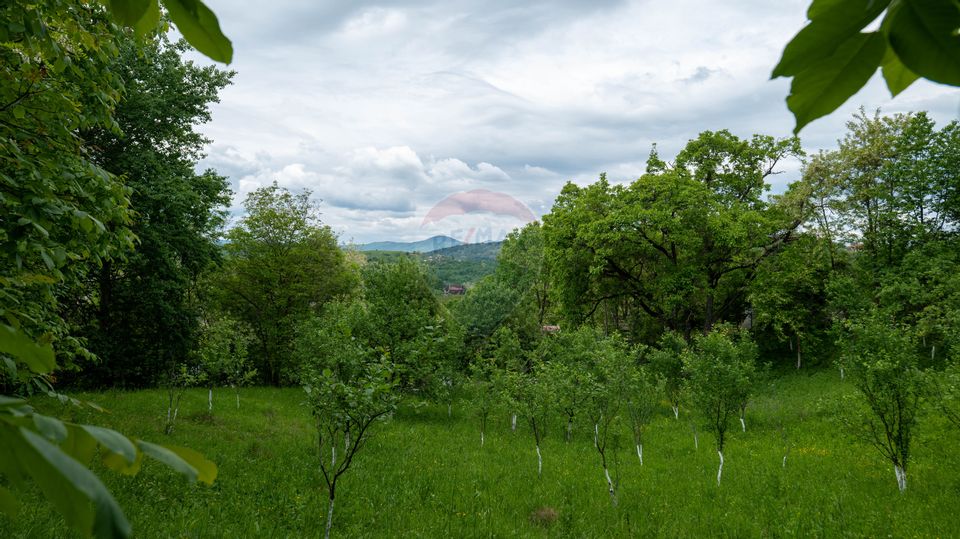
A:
[425,475]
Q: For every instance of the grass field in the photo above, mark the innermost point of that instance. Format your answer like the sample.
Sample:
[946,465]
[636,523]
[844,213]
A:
[425,475]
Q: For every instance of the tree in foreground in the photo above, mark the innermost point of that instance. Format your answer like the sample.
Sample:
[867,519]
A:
[349,386]
[720,370]
[881,361]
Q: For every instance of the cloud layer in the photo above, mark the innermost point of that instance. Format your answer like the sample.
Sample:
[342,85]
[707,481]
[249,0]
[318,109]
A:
[384,109]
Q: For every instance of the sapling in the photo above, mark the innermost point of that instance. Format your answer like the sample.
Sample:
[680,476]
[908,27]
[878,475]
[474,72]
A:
[530,393]
[510,359]
[882,364]
[223,355]
[178,380]
[484,378]
[349,386]
[641,392]
[719,373]
[613,362]
[666,363]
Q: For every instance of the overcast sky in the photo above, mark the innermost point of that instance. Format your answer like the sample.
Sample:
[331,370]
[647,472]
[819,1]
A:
[384,109]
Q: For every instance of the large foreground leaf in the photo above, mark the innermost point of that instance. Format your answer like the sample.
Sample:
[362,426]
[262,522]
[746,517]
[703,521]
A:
[200,28]
[832,23]
[75,491]
[826,85]
[923,33]
[38,358]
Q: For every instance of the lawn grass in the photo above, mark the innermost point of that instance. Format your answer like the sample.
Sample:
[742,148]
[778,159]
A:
[425,475]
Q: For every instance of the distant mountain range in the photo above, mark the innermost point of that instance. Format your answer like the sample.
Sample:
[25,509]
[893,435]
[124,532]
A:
[422,246]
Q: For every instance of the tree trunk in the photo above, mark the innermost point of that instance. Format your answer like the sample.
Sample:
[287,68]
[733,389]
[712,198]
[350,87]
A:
[613,493]
[798,351]
[539,462]
[901,477]
[720,469]
[210,400]
[513,422]
[676,411]
[329,523]
[640,453]
[696,441]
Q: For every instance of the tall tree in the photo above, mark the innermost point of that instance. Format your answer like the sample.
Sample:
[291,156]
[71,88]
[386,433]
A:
[141,316]
[678,246]
[281,265]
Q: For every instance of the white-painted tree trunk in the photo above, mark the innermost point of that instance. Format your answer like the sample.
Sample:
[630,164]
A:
[513,422]
[841,373]
[569,430]
[933,352]
[720,469]
[743,424]
[640,453]
[481,438]
[596,435]
[210,399]
[329,519]
[901,477]
[539,462]
[613,493]
[175,412]
[784,461]
[696,440]
[676,411]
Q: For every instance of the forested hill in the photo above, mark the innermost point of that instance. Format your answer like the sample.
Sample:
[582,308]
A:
[461,264]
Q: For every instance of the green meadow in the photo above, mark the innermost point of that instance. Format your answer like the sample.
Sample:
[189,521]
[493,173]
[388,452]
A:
[424,474]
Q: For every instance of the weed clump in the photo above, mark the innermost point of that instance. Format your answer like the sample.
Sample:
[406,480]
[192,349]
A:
[544,516]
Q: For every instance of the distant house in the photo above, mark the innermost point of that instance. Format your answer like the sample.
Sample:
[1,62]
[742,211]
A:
[455,289]
[550,329]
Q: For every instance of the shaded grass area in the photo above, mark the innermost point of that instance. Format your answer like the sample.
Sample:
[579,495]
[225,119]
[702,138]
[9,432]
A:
[425,475]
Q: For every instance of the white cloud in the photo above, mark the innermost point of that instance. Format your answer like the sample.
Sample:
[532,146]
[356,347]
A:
[384,109]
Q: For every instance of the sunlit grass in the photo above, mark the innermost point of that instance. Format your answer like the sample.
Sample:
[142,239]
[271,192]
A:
[425,475]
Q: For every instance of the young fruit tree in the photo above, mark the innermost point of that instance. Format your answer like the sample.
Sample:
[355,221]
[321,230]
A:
[612,361]
[223,353]
[530,394]
[881,361]
[178,380]
[667,365]
[720,369]
[483,382]
[641,394]
[349,387]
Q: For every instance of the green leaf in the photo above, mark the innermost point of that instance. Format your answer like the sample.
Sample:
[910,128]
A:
[128,12]
[51,428]
[823,87]
[6,402]
[200,28]
[150,21]
[897,76]
[206,469]
[923,33]
[79,444]
[122,455]
[186,461]
[70,487]
[37,358]
[833,22]
[8,503]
